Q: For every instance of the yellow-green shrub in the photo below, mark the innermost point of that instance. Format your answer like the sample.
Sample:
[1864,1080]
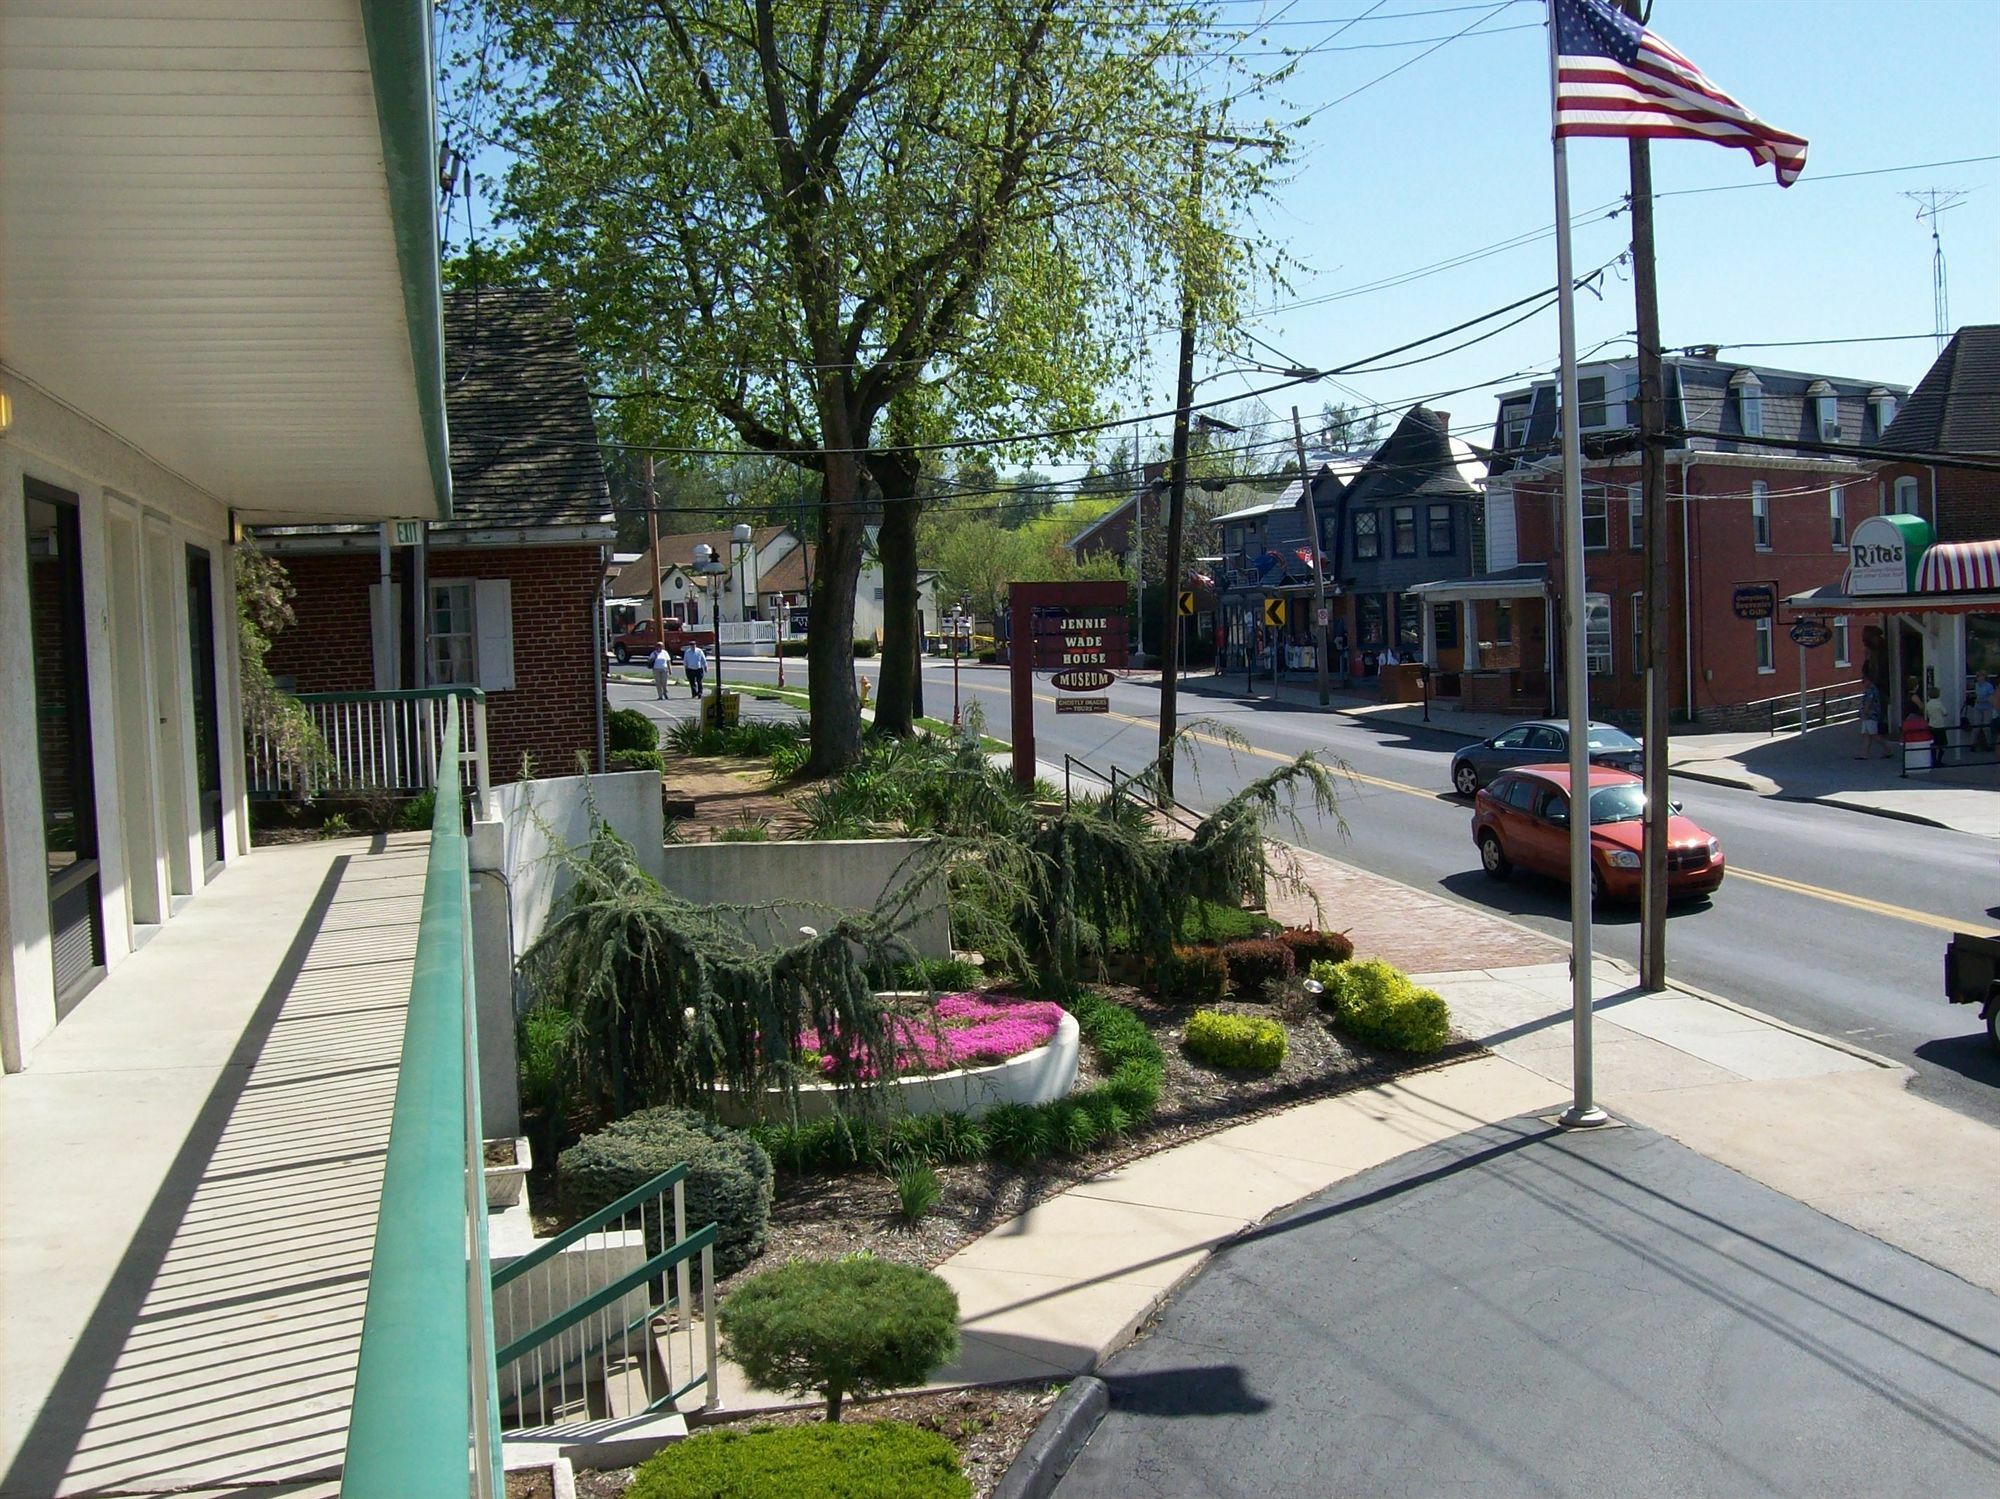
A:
[1235,1040]
[1377,1004]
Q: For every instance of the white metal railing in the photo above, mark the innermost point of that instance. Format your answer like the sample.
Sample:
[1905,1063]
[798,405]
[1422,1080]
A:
[381,742]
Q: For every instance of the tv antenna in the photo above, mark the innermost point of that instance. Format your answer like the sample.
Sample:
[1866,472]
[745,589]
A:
[1931,203]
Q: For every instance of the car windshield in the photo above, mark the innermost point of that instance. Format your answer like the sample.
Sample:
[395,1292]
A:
[1603,736]
[1621,803]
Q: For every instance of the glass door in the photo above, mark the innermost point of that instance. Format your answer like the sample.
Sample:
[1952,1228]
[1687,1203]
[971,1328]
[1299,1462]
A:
[62,716]
[207,731]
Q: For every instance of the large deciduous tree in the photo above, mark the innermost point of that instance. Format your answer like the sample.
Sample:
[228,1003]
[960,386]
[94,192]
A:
[793,219]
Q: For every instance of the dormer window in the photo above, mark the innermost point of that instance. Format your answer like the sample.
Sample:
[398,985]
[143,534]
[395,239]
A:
[1514,425]
[1826,410]
[1590,407]
[1883,406]
[1749,402]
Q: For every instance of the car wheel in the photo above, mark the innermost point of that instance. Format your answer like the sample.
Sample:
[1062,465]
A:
[1596,888]
[1492,858]
[624,656]
[1466,779]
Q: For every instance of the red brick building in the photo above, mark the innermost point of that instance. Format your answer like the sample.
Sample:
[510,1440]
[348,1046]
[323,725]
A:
[512,585]
[1741,515]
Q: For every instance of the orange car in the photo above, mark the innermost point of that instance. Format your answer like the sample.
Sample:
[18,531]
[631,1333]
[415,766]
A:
[1522,818]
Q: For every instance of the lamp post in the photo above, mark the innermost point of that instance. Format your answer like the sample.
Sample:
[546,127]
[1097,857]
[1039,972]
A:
[957,613]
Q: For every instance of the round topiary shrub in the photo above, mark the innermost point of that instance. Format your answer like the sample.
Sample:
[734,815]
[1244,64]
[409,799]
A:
[629,729]
[1377,1004]
[1255,962]
[840,1328]
[870,1460]
[1248,1041]
[728,1180]
[1310,947]
[632,759]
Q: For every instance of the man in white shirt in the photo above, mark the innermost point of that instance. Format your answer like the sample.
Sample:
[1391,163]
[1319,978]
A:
[695,663]
[663,670]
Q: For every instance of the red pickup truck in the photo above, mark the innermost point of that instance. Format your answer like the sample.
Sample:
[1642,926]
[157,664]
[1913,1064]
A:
[642,637]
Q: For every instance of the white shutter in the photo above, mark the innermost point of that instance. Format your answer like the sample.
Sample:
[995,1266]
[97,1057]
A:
[385,634]
[493,651]
[1501,541]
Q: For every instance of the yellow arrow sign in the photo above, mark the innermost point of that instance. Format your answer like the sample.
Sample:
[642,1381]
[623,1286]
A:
[1274,611]
[1187,603]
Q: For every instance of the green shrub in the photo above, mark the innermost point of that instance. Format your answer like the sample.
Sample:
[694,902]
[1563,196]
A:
[418,813]
[843,1327]
[756,738]
[1235,1040]
[787,760]
[745,829]
[877,1460]
[1255,962]
[542,1052]
[728,1181]
[633,759]
[629,729]
[1310,947]
[792,647]
[939,975]
[1377,1004]
[864,647]
[918,1188]
[1211,921]
[1192,976]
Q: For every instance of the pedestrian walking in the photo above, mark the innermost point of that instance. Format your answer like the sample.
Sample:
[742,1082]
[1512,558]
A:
[1871,722]
[695,663]
[1982,712]
[663,670]
[1938,717]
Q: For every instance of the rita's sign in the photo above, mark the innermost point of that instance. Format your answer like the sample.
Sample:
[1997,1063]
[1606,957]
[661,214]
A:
[1884,552]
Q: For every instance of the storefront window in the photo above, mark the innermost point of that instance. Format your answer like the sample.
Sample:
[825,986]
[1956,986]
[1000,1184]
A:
[1369,621]
[1982,644]
[1409,626]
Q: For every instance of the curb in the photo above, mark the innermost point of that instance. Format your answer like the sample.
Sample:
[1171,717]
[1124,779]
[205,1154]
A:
[1054,1444]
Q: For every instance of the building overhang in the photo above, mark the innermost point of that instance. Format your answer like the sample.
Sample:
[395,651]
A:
[1480,590]
[218,241]
[1831,600]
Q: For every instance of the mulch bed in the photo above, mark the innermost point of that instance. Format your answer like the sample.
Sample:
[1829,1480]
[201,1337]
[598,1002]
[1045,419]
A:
[822,1215]
[987,1425]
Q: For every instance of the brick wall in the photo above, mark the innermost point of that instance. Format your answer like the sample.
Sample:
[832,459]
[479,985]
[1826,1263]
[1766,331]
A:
[551,713]
[1967,505]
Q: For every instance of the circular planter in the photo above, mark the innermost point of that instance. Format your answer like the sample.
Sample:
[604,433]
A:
[1047,1072]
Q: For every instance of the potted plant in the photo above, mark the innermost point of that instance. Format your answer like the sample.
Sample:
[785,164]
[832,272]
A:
[507,1163]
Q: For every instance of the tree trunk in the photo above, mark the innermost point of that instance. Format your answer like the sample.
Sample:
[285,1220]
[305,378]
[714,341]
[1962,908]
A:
[836,706]
[833,1402]
[896,546]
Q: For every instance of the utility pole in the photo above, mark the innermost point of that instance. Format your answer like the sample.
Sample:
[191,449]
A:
[653,543]
[1319,561]
[1177,489]
[1139,535]
[1653,499]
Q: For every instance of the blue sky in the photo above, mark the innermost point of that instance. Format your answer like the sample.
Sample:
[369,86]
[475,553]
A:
[1451,154]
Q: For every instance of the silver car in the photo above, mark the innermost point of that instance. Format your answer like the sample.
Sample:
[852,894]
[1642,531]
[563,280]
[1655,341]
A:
[1540,741]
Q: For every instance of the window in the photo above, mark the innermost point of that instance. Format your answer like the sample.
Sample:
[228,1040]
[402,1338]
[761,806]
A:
[1367,536]
[1503,622]
[1403,530]
[1638,634]
[1234,546]
[1596,522]
[1760,514]
[1554,807]
[1884,406]
[1597,634]
[1544,740]
[1749,404]
[1515,738]
[1590,406]
[1841,656]
[454,636]
[1444,626]
[1368,616]
[1905,502]
[1409,626]
[1635,517]
[1521,794]
[1826,411]
[1836,512]
[1329,535]
[1514,424]
[1441,537]
[1764,661]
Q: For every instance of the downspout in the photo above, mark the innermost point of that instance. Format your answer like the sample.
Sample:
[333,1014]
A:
[1687,587]
[597,664]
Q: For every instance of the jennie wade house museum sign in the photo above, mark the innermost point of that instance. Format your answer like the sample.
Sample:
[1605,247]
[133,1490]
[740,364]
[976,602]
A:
[1077,632]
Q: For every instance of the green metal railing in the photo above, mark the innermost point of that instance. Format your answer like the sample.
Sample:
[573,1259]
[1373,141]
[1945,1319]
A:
[425,1422]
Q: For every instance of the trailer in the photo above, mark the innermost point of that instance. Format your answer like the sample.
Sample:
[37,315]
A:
[1972,977]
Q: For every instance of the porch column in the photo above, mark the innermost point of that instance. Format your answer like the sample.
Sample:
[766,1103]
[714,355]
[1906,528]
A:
[1429,632]
[1469,632]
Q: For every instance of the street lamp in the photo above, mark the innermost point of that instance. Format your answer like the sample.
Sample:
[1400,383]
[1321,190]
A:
[958,612]
[709,566]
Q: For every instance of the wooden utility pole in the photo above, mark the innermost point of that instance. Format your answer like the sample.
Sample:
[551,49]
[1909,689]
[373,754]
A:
[1170,640]
[1653,497]
[1319,561]
[653,543]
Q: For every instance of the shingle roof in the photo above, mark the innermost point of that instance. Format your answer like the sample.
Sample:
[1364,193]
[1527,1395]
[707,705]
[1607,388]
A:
[1956,406]
[1415,462]
[523,444]
[678,550]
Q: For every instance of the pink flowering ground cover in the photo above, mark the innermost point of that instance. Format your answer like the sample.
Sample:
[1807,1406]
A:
[969,1030]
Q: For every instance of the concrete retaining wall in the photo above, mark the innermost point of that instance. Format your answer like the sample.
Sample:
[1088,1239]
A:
[809,878]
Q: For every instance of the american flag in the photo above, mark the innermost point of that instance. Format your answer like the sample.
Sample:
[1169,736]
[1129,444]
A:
[1615,78]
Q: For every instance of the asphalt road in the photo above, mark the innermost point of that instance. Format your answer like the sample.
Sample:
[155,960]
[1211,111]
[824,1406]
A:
[1829,919]
[1528,1312]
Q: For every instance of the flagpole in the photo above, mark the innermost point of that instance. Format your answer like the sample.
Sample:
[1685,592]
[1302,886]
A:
[1583,1111]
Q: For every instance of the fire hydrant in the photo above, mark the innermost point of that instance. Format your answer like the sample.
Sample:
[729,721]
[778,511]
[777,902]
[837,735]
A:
[862,683]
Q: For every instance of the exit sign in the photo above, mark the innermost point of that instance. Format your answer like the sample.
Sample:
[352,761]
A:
[409,533]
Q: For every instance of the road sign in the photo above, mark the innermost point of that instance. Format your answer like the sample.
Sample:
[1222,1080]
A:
[1274,611]
[1187,603]
[1324,614]
[1810,632]
[1083,705]
[1755,601]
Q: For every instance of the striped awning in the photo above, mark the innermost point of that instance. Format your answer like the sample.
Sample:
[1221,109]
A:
[1959,567]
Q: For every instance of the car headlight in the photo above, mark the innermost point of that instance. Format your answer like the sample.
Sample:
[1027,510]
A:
[1715,848]
[1622,858]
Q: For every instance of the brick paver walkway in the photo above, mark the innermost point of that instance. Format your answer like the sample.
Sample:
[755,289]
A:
[1417,931]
